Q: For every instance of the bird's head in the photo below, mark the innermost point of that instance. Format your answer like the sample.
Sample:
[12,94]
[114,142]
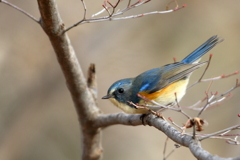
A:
[120,92]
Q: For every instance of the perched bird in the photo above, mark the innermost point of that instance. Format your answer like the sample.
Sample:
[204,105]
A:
[158,84]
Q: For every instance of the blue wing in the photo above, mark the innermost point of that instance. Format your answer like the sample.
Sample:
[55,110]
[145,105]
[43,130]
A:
[159,78]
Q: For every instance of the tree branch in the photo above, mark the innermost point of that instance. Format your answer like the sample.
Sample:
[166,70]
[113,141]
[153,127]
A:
[86,108]
[92,81]
[111,16]
[162,125]
[117,118]
[20,10]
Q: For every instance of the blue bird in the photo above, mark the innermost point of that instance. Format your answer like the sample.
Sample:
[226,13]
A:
[158,84]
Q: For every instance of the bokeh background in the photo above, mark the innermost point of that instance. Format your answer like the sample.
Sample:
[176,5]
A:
[37,117]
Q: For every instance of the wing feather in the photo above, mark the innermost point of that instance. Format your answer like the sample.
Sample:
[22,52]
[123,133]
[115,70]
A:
[159,78]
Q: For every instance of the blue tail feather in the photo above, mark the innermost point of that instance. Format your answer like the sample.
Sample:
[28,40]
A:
[204,48]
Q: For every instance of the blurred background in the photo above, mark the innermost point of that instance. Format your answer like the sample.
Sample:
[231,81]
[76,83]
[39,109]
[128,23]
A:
[37,117]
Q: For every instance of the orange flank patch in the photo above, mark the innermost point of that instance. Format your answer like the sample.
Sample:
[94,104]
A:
[171,89]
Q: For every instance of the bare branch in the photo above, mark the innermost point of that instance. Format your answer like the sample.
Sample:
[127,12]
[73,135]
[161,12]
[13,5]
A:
[111,15]
[103,121]
[233,141]
[162,125]
[220,77]
[165,148]
[85,9]
[214,78]
[171,152]
[220,132]
[86,108]
[180,109]
[107,10]
[213,99]
[92,81]
[177,6]
[129,3]
[114,7]
[209,61]
[20,10]
[225,136]
[176,125]
[107,18]
[207,105]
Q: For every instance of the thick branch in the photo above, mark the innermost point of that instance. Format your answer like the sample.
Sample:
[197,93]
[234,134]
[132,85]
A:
[117,118]
[165,127]
[184,140]
[84,103]
[92,81]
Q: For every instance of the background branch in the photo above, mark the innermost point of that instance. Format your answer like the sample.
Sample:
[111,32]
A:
[111,16]
[20,10]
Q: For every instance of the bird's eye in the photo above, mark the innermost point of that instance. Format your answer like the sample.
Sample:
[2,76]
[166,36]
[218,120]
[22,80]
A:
[120,90]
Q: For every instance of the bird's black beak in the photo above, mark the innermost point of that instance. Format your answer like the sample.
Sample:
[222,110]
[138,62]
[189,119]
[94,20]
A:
[107,96]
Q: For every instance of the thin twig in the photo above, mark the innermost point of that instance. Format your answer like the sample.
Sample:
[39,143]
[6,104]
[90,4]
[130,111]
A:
[176,125]
[213,79]
[224,95]
[135,4]
[205,70]
[180,109]
[202,100]
[171,152]
[106,18]
[129,3]
[174,59]
[172,2]
[105,7]
[148,109]
[209,61]
[206,105]
[209,86]
[225,136]
[233,141]
[75,25]
[214,99]
[111,15]
[165,148]
[162,106]
[220,77]
[194,130]
[85,9]
[114,7]
[20,10]
[219,132]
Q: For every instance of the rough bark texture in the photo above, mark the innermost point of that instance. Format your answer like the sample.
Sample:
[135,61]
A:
[84,102]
